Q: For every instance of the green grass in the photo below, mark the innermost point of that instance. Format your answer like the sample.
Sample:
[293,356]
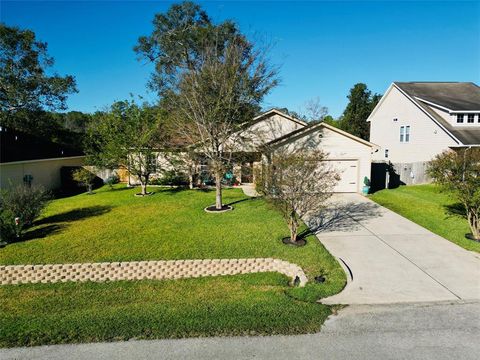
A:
[113,225]
[427,206]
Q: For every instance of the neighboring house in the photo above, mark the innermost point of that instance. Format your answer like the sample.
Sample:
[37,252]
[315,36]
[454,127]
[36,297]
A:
[25,158]
[348,154]
[414,121]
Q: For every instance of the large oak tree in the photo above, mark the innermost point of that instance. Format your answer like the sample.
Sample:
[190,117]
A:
[26,79]
[209,77]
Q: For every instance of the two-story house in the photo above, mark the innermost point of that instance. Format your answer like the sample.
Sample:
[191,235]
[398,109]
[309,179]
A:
[414,121]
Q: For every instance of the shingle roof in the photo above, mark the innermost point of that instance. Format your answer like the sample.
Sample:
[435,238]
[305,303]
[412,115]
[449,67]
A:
[468,135]
[456,96]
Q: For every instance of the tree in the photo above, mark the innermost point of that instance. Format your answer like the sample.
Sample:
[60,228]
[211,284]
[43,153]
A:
[315,111]
[178,41]
[128,135]
[84,178]
[459,172]
[361,104]
[24,82]
[210,79]
[298,182]
[216,98]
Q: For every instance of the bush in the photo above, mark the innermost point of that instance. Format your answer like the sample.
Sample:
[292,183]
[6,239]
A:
[22,202]
[171,177]
[7,225]
[84,178]
[112,180]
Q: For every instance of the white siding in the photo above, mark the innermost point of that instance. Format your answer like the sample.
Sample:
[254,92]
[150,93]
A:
[266,130]
[427,139]
[338,147]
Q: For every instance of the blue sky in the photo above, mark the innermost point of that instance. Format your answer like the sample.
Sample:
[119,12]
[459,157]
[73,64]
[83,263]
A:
[323,48]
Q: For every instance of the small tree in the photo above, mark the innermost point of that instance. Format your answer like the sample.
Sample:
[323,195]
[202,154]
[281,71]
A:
[298,183]
[129,136]
[459,172]
[84,178]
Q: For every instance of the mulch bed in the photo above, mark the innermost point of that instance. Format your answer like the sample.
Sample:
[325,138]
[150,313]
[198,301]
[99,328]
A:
[213,209]
[299,242]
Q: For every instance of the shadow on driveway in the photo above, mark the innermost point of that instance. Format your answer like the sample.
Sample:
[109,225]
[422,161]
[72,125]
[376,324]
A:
[341,217]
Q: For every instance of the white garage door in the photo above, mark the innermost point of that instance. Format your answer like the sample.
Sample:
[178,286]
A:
[348,171]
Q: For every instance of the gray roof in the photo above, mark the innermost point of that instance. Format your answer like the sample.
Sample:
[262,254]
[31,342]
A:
[456,96]
[451,95]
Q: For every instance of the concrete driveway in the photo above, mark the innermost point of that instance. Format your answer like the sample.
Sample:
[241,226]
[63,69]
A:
[390,259]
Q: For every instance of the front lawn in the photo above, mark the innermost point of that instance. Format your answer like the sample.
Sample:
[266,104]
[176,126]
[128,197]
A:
[427,206]
[113,225]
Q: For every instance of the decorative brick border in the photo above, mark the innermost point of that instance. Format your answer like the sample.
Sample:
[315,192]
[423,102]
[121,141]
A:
[140,270]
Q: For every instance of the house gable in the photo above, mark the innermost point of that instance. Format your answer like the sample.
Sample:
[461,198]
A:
[427,136]
[268,127]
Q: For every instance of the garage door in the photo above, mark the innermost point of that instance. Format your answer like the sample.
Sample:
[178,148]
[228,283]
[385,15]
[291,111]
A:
[348,171]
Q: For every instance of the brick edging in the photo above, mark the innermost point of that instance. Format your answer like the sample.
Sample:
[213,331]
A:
[142,270]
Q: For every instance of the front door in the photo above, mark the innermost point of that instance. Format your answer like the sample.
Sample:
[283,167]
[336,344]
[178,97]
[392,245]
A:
[247,173]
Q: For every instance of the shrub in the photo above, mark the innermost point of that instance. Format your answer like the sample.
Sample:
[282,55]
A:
[84,178]
[112,180]
[7,225]
[22,202]
[171,177]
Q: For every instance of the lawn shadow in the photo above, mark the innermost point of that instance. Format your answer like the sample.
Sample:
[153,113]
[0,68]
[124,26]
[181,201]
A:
[123,188]
[341,217]
[173,190]
[75,214]
[242,200]
[456,209]
[41,232]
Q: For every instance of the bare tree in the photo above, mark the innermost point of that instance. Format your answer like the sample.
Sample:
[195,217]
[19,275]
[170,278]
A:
[314,110]
[298,182]
[216,98]
[459,172]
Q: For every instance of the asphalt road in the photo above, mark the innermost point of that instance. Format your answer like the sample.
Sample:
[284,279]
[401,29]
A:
[446,330]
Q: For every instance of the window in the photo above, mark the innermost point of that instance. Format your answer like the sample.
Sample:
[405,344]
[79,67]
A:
[407,133]
[470,118]
[459,118]
[386,153]
[402,133]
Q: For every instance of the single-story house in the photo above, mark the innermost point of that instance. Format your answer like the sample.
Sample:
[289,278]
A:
[348,154]
[415,121]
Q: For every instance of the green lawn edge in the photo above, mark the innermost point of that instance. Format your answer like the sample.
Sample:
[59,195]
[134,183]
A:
[427,206]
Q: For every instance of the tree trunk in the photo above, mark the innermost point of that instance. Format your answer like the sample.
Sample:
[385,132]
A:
[190,180]
[218,190]
[89,188]
[474,223]
[293,229]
